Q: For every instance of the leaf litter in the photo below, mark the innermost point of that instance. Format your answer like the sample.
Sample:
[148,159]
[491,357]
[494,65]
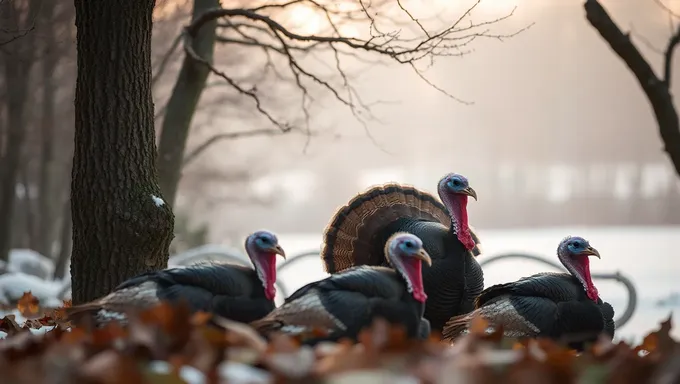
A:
[169,344]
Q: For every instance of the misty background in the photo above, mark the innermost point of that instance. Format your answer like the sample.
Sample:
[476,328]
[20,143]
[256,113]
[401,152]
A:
[548,124]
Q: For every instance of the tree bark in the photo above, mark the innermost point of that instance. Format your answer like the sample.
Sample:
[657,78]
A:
[182,104]
[46,200]
[121,227]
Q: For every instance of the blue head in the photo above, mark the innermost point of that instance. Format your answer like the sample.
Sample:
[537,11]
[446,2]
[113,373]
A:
[454,190]
[455,184]
[573,252]
[406,254]
[574,246]
[262,248]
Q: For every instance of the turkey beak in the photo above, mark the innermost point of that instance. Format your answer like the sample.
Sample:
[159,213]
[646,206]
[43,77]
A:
[590,251]
[470,192]
[277,250]
[424,257]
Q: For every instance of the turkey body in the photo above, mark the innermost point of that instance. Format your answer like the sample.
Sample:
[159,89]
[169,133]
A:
[357,234]
[346,302]
[230,291]
[552,305]
[455,278]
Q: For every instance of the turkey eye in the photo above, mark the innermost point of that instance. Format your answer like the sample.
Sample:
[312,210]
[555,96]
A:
[408,244]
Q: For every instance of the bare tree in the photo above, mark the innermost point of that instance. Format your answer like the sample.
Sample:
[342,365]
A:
[18,61]
[121,225]
[278,52]
[656,87]
[182,105]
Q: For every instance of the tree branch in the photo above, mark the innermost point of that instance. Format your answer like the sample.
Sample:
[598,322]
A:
[191,156]
[668,56]
[165,60]
[657,90]
[18,34]
[256,27]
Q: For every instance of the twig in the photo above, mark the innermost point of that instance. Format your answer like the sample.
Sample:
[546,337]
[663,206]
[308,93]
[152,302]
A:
[191,156]
[668,56]
[166,59]
[19,34]
[667,9]
[256,27]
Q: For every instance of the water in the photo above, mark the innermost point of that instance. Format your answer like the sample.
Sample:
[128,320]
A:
[646,255]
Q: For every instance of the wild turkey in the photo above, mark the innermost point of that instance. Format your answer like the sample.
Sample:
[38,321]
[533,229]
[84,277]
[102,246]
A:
[232,291]
[562,306]
[358,231]
[344,303]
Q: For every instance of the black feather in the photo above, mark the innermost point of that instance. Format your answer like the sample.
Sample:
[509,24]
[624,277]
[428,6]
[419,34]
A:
[230,291]
[357,233]
[555,305]
[354,298]
[455,278]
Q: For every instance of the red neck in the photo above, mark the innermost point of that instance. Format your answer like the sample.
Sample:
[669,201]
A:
[457,205]
[582,266]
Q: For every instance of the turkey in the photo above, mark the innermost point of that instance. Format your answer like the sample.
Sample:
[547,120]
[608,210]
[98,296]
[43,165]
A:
[232,291]
[562,306]
[346,302]
[357,233]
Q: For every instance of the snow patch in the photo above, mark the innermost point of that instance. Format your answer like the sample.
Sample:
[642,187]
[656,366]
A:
[157,200]
[187,373]
[30,262]
[13,286]
[239,373]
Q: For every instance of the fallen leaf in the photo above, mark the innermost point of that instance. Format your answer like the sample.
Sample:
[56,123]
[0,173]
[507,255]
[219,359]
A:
[28,305]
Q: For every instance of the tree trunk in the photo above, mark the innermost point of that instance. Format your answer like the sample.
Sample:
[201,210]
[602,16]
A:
[182,105]
[16,86]
[121,227]
[44,236]
[65,242]
[18,62]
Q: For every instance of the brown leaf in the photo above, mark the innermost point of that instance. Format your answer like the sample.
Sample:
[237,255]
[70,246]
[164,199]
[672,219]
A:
[240,334]
[659,340]
[28,305]
[478,325]
[112,367]
[201,318]
[9,325]
[346,358]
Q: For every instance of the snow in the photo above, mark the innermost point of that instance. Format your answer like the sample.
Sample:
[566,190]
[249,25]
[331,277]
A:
[30,262]
[239,373]
[229,372]
[157,200]
[187,373]
[13,286]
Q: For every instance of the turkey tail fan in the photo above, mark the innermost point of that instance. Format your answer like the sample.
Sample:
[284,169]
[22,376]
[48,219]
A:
[347,239]
[82,310]
[266,326]
[84,314]
[456,326]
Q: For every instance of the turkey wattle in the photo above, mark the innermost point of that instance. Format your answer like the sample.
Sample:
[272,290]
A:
[232,291]
[346,302]
[561,306]
[358,231]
